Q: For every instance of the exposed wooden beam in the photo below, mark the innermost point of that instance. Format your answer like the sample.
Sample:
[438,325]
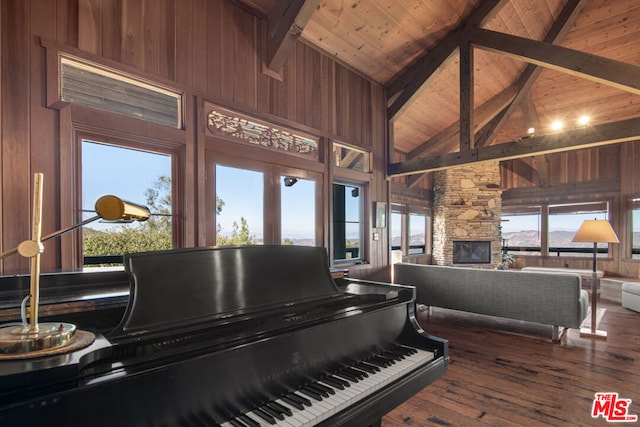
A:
[466,97]
[592,67]
[609,133]
[483,115]
[285,24]
[409,85]
[559,30]
[558,192]
[542,161]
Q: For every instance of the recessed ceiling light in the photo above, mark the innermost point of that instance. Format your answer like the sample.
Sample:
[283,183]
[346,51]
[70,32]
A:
[584,120]
[557,125]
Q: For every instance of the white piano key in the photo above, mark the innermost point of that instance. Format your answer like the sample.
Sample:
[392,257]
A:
[357,391]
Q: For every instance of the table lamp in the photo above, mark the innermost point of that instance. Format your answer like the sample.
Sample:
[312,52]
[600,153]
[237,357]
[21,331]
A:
[595,231]
[32,339]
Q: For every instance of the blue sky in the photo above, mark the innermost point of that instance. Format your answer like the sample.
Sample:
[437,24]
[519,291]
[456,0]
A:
[128,173]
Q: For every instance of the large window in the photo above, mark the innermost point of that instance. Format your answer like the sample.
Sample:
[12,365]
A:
[297,211]
[239,206]
[521,229]
[417,233]
[635,228]
[396,228]
[410,229]
[141,177]
[348,224]
[564,221]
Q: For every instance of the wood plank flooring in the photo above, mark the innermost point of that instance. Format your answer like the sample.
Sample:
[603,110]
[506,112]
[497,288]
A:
[509,373]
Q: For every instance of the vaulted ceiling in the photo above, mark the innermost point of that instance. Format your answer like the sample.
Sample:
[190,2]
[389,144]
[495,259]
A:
[521,64]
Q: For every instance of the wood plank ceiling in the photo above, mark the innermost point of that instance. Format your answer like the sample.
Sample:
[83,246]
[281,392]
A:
[419,50]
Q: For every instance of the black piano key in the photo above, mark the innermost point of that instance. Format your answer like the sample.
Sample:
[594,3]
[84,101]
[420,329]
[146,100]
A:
[273,412]
[237,423]
[383,362]
[342,381]
[372,369]
[347,376]
[278,409]
[333,383]
[406,349]
[325,388]
[360,374]
[296,404]
[249,421]
[317,389]
[281,408]
[265,416]
[299,398]
[395,355]
[312,394]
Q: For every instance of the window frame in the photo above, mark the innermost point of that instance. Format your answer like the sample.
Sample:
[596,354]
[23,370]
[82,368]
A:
[78,123]
[364,228]
[271,190]
[632,204]
[544,225]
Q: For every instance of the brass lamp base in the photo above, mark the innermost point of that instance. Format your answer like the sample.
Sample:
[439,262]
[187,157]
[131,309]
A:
[19,340]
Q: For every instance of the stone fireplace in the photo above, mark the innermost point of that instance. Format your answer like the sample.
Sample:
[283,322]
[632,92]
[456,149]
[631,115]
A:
[466,217]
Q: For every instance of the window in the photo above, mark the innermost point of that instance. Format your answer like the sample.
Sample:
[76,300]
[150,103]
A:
[94,86]
[635,228]
[396,230]
[410,229]
[351,158]
[417,233]
[521,229]
[239,206]
[348,224]
[564,221]
[141,177]
[297,211]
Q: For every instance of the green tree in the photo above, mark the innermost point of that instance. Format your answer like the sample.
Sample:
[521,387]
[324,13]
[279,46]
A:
[153,234]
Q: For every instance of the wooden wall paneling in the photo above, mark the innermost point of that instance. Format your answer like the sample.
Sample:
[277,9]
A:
[16,152]
[288,101]
[168,33]
[44,127]
[629,174]
[190,34]
[66,19]
[301,85]
[152,38]
[90,26]
[213,48]
[316,72]
[229,51]
[111,29]
[133,46]
[245,62]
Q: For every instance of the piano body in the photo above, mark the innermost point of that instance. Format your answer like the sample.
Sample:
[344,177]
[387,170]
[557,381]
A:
[243,336]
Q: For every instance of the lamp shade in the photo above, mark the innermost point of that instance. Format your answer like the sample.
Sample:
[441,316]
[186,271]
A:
[114,208]
[596,230]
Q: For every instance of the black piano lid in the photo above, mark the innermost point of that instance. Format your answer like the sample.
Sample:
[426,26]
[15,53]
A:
[175,288]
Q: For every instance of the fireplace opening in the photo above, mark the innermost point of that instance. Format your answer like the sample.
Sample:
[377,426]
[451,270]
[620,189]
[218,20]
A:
[472,252]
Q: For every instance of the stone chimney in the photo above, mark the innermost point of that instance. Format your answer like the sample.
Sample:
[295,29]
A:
[467,211]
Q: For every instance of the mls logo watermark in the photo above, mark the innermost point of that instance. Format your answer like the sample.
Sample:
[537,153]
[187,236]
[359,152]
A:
[612,408]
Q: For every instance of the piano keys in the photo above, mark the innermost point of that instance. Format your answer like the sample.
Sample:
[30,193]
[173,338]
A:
[234,337]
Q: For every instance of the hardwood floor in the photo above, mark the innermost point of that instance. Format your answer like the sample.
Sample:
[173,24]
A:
[509,373]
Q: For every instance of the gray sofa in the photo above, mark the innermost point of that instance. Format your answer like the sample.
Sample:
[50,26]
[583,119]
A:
[553,299]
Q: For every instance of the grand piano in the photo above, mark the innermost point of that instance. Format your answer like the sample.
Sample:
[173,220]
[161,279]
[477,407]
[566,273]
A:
[242,336]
